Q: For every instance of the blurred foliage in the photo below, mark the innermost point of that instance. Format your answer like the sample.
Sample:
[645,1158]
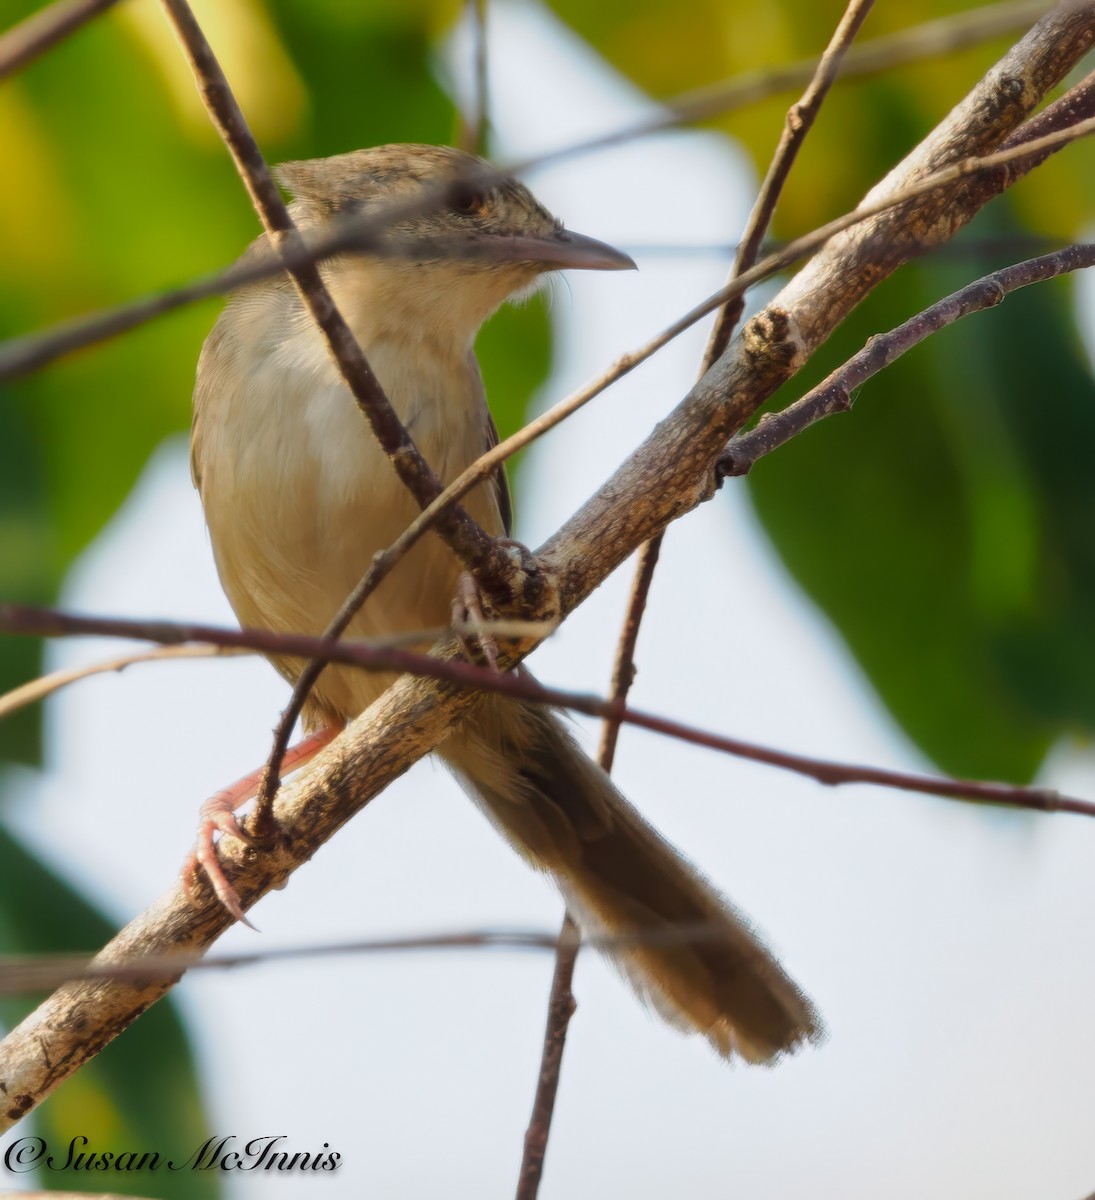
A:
[945,528]
[117,1102]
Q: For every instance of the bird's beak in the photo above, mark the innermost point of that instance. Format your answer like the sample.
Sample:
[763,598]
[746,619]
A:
[561,250]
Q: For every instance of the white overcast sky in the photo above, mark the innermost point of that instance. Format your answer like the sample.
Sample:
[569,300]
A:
[947,947]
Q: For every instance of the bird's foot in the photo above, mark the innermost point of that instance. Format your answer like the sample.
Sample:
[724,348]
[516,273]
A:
[467,609]
[218,814]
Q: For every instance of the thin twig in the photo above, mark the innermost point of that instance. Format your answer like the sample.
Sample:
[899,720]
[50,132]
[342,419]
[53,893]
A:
[38,689]
[800,120]
[45,685]
[48,622]
[475,124]
[933,39]
[835,393]
[966,247]
[20,973]
[561,1008]
[41,31]
[361,232]
[561,1002]
[623,669]
[471,544]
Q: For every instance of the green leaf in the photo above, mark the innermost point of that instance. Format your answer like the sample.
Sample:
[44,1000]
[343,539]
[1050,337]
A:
[945,526]
[140,1092]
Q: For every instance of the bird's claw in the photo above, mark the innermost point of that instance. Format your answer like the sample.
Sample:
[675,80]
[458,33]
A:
[217,815]
[467,608]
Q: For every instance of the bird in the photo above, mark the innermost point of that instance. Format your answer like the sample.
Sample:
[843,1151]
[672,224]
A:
[298,497]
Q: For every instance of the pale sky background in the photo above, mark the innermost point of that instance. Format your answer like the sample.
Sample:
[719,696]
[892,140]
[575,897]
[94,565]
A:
[946,946]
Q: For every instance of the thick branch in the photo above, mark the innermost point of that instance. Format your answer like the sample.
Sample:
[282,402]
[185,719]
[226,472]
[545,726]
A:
[672,470]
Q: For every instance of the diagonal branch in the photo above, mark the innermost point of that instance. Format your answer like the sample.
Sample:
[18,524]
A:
[667,476]
[38,689]
[360,232]
[932,39]
[800,120]
[471,544]
[835,393]
[41,31]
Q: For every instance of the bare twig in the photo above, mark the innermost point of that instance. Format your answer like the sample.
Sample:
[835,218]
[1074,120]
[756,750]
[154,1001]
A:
[835,393]
[561,1002]
[475,124]
[471,544]
[41,31]
[360,232]
[35,972]
[50,622]
[623,669]
[662,480]
[800,120]
[933,39]
[561,1008]
[46,685]
[377,570]
[39,689]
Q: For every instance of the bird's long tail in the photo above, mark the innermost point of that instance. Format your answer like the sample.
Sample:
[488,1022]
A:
[562,812]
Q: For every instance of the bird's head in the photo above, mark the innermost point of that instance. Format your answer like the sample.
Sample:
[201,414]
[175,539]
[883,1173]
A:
[465,238]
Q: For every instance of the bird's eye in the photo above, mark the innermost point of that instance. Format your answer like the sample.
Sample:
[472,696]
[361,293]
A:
[463,198]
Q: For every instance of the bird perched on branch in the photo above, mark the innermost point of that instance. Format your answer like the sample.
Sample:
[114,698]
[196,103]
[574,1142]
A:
[298,497]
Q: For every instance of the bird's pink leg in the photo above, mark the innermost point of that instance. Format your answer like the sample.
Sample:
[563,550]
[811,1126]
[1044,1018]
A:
[218,814]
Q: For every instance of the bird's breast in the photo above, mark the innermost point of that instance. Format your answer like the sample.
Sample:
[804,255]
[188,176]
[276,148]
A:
[299,497]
